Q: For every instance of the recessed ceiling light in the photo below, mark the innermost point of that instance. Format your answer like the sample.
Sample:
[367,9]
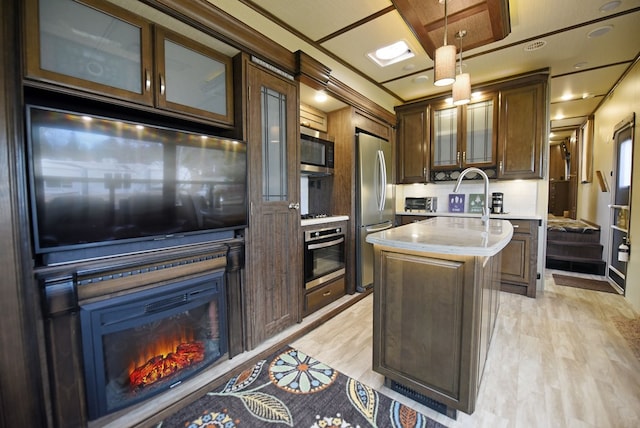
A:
[395,52]
[321,96]
[535,45]
[579,65]
[609,6]
[600,31]
[566,97]
[420,79]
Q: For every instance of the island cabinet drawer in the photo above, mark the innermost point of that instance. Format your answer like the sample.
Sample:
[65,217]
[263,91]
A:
[322,296]
[522,226]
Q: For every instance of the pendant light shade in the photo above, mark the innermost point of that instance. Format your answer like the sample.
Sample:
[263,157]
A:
[462,89]
[462,86]
[445,65]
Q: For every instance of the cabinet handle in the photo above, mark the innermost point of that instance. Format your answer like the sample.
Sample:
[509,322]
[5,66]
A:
[161,84]
[326,293]
[424,172]
[147,80]
[500,167]
[458,158]
[515,226]
[464,157]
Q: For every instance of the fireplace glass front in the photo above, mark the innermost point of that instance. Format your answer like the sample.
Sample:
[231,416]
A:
[141,344]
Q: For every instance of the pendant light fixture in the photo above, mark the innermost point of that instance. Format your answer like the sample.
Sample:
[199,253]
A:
[445,63]
[462,85]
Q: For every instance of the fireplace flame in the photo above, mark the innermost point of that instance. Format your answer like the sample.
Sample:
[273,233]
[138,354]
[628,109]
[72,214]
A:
[164,358]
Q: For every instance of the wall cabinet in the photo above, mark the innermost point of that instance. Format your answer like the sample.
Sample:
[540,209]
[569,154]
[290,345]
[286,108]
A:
[523,127]
[502,132]
[434,316]
[413,145]
[97,47]
[464,136]
[520,259]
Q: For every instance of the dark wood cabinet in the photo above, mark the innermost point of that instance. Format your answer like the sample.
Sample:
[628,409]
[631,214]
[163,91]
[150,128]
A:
[559,200]
[273,291]
[97,47]
[192,78]
[502,131]
[413,145]
[434,316]
[523,127]
[464,136]
[520,259]
[94,46]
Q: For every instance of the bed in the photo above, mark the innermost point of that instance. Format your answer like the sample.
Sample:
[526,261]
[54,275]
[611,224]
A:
[574,245]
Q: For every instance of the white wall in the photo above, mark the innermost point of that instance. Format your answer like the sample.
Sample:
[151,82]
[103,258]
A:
[592,202]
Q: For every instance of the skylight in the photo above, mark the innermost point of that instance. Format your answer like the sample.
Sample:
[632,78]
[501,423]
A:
[391,54]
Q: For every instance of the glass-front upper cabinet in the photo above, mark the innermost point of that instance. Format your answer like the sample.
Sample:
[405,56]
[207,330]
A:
[479,133]
[96,46]
[192,78]
[445,153]
[90,45]
[464,136]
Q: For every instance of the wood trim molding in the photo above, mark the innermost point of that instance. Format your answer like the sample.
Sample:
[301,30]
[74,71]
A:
[311,72]
[347,95]
[215,22]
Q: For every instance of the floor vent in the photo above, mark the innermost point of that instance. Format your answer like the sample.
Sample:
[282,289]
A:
[422,399]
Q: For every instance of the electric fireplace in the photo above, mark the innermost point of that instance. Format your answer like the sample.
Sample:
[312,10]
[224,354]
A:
[140,344]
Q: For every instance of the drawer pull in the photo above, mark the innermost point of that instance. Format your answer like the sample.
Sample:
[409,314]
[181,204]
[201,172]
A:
[515,226]
[326,293]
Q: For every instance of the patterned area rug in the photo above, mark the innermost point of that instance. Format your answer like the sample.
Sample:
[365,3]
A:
[293,389]
[585,283]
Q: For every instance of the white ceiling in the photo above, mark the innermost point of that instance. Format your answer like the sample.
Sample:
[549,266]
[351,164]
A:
[344,31]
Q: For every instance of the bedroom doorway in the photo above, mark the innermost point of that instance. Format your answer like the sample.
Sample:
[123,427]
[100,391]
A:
[620,201]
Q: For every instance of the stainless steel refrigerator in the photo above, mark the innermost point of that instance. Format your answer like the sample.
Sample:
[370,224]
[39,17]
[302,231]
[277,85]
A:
[375,200]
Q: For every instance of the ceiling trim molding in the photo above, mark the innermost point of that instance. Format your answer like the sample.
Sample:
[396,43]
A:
[356,24]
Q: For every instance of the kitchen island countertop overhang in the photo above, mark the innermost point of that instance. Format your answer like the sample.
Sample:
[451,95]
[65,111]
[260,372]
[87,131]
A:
[463,236]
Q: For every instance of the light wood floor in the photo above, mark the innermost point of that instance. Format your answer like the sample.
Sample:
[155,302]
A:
[555,361]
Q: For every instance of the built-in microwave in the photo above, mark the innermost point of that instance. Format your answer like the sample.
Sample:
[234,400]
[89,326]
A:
[316,155]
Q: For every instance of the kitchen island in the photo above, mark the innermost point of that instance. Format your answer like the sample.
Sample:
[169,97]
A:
[436,299]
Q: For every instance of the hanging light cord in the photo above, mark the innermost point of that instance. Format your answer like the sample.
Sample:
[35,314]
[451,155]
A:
[461,36]
[445,22]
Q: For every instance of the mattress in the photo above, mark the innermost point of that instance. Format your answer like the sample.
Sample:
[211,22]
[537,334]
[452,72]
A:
[563,224]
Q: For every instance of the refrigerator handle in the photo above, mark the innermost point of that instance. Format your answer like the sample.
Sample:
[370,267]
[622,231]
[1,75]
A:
[382,194]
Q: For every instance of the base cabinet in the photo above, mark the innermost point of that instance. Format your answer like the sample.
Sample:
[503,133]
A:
[320,297]
[520,259]
[433,320]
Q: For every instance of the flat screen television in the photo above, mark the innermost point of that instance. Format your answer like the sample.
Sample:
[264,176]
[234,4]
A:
[101,186]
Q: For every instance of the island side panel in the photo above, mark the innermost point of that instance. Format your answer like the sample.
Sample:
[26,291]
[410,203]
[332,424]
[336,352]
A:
[426,324]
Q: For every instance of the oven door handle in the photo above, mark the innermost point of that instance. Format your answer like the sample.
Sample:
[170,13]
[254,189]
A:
[325,244]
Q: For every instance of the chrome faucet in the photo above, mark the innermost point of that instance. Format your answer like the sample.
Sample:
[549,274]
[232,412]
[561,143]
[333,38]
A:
[485,208]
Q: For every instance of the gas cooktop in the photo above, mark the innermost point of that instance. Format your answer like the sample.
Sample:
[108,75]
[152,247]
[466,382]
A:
[318,215]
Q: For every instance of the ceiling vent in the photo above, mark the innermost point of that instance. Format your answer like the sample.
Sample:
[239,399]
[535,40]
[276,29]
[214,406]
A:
[535,45]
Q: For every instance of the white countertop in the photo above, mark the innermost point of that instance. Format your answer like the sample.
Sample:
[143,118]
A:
[506,216]
[448,235]
[331,219]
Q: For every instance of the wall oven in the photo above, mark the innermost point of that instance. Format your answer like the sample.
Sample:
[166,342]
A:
[324,256]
